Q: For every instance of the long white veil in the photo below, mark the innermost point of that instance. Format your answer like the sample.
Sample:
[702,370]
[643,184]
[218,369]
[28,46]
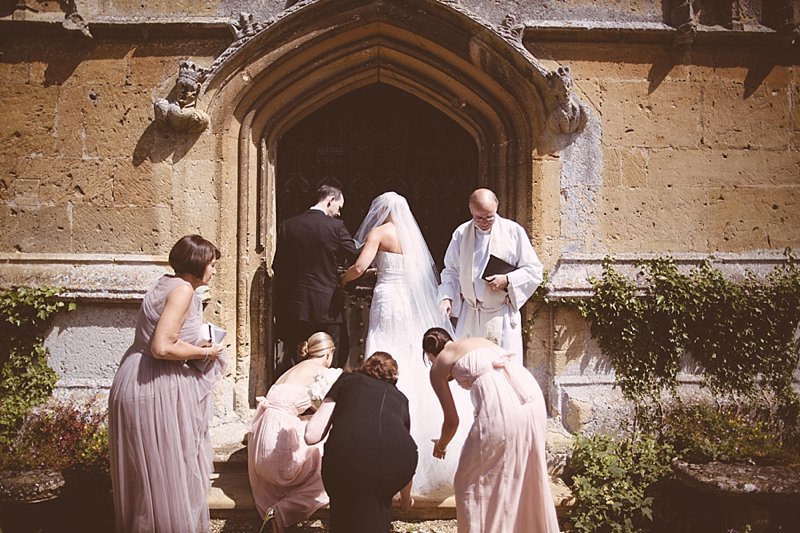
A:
[434,478]
[420,270]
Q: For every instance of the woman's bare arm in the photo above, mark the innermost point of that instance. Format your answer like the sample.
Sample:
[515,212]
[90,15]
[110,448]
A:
[365,258]
[166,342]
[440,378]
[320,423]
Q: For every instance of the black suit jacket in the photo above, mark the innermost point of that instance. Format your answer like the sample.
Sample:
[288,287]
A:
[309,249]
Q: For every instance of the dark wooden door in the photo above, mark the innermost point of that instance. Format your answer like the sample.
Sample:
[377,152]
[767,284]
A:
[372,140]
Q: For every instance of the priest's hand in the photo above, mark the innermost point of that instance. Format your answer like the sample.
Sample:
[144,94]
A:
[498,282]
[446,306]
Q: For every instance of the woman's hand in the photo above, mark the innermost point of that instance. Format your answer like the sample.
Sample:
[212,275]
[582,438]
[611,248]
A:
[438,451]
[211,350]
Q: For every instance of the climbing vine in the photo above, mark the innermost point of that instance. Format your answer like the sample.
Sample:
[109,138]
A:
[742,333]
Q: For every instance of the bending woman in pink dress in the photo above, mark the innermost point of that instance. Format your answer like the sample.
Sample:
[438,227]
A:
[501,483]
[285,473]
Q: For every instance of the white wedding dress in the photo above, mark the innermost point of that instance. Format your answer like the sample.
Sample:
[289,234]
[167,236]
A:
[394,328]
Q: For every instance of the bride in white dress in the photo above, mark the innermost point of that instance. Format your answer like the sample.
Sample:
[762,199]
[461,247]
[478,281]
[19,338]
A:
[404,305]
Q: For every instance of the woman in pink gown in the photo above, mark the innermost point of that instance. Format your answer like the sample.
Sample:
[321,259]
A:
[285,473]
[501,483]
[160,404]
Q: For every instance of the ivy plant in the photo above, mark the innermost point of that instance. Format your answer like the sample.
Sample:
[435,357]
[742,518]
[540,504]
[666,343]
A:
[25,378]
[742,333]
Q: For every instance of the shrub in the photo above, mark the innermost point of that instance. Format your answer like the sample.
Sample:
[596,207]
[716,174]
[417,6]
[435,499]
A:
[701,433]
[25,378]
[610,481]
[61,436]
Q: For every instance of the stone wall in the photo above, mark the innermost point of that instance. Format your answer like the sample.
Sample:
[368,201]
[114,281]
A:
[687,150]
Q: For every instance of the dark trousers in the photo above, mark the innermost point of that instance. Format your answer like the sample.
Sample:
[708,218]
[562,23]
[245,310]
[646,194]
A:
[296,332]
[359,504]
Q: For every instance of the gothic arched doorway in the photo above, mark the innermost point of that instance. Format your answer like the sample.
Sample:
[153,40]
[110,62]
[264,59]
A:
[379,138]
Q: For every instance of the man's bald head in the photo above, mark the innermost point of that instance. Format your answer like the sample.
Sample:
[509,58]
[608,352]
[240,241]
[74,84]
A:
[483,207]
[484,199]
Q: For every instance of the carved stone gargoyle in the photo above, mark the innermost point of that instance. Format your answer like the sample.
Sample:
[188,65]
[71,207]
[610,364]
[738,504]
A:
[181,115]
[565,114]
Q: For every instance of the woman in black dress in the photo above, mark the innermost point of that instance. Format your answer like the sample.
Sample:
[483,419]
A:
[369,455]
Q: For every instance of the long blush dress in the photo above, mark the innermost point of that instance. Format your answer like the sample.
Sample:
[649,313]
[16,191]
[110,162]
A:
[285,473]
[159,413]
[501,484]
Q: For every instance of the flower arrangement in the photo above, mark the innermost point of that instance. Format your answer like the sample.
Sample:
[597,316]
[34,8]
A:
[322,383]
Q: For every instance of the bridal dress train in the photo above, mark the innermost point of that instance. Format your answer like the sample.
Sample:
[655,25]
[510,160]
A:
[394,328]
[502,484]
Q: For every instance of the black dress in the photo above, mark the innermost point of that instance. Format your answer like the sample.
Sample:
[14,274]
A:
[369,455]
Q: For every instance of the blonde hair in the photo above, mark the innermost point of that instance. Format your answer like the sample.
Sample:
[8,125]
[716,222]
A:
[316,345]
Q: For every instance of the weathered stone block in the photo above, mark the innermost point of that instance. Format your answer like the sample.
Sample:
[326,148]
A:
[661,219]
[116,117]
[196,200]
[569,340]
[734,119]
[748,218]
[718,168]
[122,229]
[146,185]
[38,229]
[29,118]
[625,167]
[632,115]
[74,180]
[575,415]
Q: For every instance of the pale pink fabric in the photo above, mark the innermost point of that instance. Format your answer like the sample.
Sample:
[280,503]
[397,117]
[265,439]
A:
[284,472]
[501,484]
[159,414]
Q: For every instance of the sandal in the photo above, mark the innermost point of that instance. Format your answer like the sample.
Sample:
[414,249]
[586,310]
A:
[269,518]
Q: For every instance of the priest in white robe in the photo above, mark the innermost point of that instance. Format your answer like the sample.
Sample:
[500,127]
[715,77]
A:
[489,308]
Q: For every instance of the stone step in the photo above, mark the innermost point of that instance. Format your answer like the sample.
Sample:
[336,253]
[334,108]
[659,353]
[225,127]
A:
[230,496]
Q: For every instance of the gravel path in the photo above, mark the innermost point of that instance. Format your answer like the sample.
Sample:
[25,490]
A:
[240,525]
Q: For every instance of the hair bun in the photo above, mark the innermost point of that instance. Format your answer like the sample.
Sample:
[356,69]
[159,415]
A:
[302,351]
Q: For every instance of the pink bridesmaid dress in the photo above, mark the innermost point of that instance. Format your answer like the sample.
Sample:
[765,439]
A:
[285,473]
[502,484]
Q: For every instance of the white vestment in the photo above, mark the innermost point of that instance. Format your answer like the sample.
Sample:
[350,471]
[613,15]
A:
[481,311]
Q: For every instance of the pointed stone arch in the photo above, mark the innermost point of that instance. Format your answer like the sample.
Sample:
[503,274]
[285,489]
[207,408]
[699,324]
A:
[280,71]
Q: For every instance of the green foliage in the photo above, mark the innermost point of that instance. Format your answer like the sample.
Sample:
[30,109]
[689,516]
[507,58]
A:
[61,436]
[701,433]
[611,481]
[742,333]
[25,378]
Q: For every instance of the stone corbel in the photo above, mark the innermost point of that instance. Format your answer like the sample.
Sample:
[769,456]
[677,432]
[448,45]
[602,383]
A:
[565,113]
[180,114]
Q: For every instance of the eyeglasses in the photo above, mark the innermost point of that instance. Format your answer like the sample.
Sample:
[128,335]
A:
[489,218]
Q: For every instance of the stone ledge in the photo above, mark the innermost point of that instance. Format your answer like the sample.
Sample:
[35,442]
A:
[570,277]
[90,277]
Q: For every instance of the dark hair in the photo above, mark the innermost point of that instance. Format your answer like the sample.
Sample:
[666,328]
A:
[326,190]
[191,254]
[434,339]
[382,366]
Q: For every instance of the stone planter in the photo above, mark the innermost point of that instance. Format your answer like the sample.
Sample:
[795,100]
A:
[44,501]
[733,497]
[29,500]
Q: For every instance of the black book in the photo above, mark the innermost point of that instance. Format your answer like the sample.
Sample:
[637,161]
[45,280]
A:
[496,266]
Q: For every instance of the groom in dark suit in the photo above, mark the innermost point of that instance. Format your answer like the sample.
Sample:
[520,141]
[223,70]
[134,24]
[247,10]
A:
[309,250]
